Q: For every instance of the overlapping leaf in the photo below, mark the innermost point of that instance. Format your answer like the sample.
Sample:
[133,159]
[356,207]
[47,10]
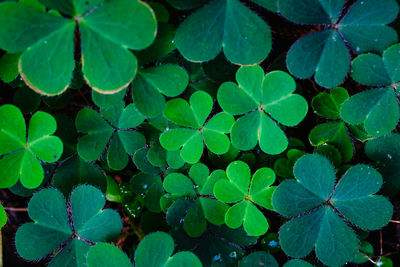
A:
[23,152]
[220,25]
[315,200]
[363,28]
[162,245]
[377,108]
[108,29]
[116,124]
[199,187]
[263,100]
[246,191]
[385,151]
[151,84]
[194,128]
[51,226]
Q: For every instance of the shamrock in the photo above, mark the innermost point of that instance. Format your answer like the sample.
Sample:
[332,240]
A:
[107,30]
[322,209]
[238,188]
[22,152]
[116,125]
[51,226]
[199,187]
[259,97]
[189,138]
[363,28]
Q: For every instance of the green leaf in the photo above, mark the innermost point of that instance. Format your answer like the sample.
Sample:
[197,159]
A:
[3,216]
[371,69]
[353,193]
[297,263]
[190,140]
[320,214]
[109,68]
[151,83]
[311,12]
[363,28]
[75,171]
[271,5]
[385,151]
[49,77]
[316,54]
[9,66]
[23,163]
[236,189]
[107,31]
[28,26]
[103,254]
[186,4]
[328,104]
[90,220]
[258,258]
[50,228]
[322,181]
[377,108]
[333,133]
[219,25]
[272,94]
[179,185]
[162,245]
[74,254]
[104,101]
[98,133]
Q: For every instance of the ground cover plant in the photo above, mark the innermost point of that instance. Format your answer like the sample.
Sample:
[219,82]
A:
[199,133]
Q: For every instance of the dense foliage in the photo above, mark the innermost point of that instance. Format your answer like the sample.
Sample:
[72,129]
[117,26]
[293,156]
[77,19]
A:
[199,132]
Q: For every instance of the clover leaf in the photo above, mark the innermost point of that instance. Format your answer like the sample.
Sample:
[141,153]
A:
[258,258]
[151,187]
[334,133]
[246,191]
[104,254]
[220,24]
[3,216]
[199,187]
[322,209]
[328,104]
[189,138]
[52,227]
[262,99]
[117,125]
[108,29]
[75,171]
[22,152]
[385,151]
[150,84]
[363,28]
[162,245]
[377,108]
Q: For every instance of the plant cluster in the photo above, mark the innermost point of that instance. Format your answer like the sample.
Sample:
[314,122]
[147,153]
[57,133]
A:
[188,133]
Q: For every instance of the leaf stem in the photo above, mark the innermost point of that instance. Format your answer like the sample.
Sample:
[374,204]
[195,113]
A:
[16,209]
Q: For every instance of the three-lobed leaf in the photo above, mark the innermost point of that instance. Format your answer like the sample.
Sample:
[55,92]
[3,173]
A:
[23,151]
[261,100]
[315,201]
